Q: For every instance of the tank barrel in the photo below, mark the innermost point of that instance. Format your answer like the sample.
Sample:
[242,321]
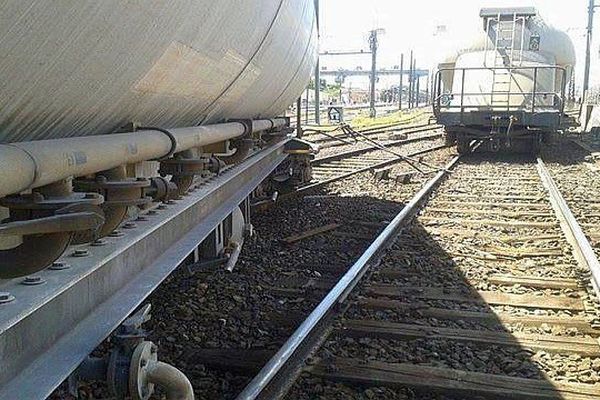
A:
[28,165]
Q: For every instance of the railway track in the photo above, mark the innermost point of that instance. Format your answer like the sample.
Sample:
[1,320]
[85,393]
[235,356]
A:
[575,166]
[372,157]
[332,139]
[220,328]
[486,294]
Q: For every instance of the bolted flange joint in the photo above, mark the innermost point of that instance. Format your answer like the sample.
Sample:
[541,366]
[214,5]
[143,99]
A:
[132,369]
[189,166]
[116,193]
[184,166]
[119,192]
[146,372]
[47,220]
[161,189]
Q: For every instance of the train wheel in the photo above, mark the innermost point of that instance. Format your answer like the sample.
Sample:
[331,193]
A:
[450,138]
[547,138]
[536,145]
[527,146]
[463,146]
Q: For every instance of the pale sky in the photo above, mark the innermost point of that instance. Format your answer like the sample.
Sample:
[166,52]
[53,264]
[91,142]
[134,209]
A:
[412,24]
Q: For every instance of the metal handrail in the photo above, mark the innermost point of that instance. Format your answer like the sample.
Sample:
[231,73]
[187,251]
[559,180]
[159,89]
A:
[438,95]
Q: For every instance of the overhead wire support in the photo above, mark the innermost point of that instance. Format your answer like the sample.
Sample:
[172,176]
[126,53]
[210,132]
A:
[401,79]
[318,72]
[373,44]
[410,81]
[417,84]
[590,27]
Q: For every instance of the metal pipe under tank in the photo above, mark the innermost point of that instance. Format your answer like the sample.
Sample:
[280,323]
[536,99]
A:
[28,165]
[172,380]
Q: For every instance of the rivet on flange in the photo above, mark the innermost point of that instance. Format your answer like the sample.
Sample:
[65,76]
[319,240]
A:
[129,225]
[81,253]
[32,281]
[59,265]
[116,234]
[6,297]
[99,242]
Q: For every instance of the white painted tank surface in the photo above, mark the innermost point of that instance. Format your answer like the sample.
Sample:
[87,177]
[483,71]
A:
[555,49]
[84,67]
[480,81]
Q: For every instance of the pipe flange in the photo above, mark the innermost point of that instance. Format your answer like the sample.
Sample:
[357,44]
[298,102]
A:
[47,225]
[116,193]
[161,189]
[144,355]
[183,166]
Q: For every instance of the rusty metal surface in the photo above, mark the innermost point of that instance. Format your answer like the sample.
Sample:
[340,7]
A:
[73,68]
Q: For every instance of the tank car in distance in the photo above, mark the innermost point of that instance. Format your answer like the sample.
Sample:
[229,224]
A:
[507,89]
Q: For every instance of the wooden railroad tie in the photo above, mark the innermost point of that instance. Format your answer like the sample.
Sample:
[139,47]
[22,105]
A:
[493,204]
[446,380]
[433,221]
[534,281]
[520,178]
[500,279]
[500,213]
[471,233]
[331,227]
[488,316]
[584,347]
[481,297]
[310,233]
[479,197]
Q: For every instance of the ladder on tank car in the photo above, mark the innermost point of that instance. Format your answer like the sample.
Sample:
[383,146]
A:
[508,29]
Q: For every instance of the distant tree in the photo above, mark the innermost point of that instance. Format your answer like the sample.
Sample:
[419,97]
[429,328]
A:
[333,90]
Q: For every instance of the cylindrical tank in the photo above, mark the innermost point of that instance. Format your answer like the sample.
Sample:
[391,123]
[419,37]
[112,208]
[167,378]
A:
[85,67]
[555,49]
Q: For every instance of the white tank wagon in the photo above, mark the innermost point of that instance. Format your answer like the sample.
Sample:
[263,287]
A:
[90,67]
[508,86]
[198,81]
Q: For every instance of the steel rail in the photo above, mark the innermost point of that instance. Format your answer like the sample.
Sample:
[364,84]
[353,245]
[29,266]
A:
[339,292]
[331,143]
[404,125]
[407,123]
[401,128]
[369,168]
[584,251]
[350,153]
